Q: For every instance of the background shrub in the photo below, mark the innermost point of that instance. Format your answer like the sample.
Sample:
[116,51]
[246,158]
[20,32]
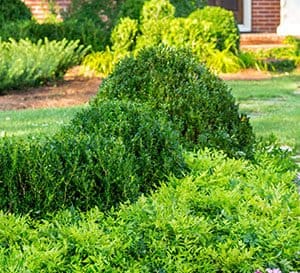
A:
[85,31]
[218,25]
[24,63]
[210,33]
[133,8]
[12,11]
[107,154]
[197,102]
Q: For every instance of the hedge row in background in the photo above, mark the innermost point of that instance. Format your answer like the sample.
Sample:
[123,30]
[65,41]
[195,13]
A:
[210,33]
[199,105]
[226,216]
[108,154]
[91,22]
[85,31]
[24,63]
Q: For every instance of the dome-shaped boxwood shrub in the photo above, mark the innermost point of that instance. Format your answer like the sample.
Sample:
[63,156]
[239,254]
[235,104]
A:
[197,102]
[108,154]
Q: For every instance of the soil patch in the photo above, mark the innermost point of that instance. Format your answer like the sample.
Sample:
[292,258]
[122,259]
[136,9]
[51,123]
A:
[248,74]
[72,90]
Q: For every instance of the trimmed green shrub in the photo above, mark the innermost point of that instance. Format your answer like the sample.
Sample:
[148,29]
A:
[133,8]
[197,102]
[124,34]
[108,154]
[13,10]
[156,17]
[218,25]
[24,63]
[227,216]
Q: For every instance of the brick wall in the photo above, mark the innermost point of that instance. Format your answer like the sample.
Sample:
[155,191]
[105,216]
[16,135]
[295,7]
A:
[40,8]
[265,15]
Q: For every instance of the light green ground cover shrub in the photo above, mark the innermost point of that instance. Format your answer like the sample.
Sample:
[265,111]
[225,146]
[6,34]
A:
[110,153]
[24,63]
[210,33]
[197,102]
[227,216]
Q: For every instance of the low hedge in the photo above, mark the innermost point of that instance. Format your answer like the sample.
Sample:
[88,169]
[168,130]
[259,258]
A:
[108,154]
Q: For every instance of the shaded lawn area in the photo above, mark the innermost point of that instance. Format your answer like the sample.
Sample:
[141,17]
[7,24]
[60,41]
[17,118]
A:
[273,106]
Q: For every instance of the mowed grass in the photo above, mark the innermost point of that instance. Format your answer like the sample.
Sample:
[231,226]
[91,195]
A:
[273,106]
[32,122]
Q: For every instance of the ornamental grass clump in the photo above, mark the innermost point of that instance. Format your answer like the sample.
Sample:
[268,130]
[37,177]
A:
[199,104]
[23,63]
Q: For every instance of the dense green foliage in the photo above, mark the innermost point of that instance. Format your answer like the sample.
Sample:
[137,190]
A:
[13,10]
[227,216]
[89,22]
[107,154]
[24,63]
[86,32]
[210,33]
[197,102]
[133,8]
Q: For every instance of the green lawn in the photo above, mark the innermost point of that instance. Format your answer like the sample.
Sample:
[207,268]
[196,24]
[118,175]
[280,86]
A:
[39,121]
[273,106]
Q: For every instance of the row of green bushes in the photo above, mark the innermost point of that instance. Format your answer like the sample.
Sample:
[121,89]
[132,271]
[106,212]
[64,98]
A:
[226,216]
[24,63]
[129,138]
[210,33]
